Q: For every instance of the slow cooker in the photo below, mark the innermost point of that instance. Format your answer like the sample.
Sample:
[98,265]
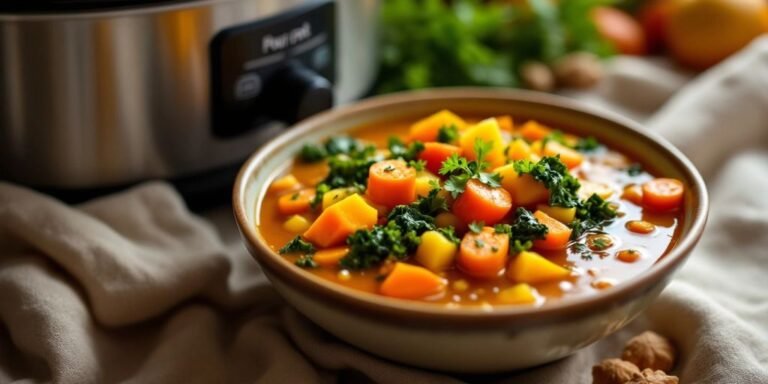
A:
[102,93]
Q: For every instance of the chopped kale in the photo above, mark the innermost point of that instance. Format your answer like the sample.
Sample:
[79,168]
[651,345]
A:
[592,213]
[408,219]
[312,153]
[587,144]
[369,247]
[399,150]
[555,176]
[307,250]
[432,204]
[336,145]
[448,133]
[320,190]
[635,169]
[582,251]
[306,261]
[523,230]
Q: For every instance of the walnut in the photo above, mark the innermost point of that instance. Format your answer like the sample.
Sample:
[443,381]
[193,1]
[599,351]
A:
[650,350]
[578,70]
[537,76]
[613,371]
[649,376]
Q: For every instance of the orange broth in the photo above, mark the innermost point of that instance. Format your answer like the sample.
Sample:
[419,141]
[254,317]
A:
[587,272]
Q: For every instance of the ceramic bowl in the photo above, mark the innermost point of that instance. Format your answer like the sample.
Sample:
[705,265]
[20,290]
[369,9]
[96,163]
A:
[467,339]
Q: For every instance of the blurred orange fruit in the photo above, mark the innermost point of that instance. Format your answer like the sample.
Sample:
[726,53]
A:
[701,33]
[620,29]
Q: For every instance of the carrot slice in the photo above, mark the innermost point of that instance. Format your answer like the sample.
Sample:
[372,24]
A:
[533,131]
[435,153]
[330,257]
[480,202]
[408,281]
[663,194]
[340,220]
[295,202]
[483,255]
[427,129]
[391,183]
[557,236]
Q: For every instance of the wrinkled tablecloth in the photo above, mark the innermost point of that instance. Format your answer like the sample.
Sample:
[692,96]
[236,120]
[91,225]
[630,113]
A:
[134,288]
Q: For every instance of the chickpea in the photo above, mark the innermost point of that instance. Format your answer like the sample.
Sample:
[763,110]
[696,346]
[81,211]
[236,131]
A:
[628,255]
[640,226]
[599,241]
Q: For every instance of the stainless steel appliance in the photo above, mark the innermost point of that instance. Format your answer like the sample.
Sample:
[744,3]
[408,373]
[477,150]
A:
[99,93]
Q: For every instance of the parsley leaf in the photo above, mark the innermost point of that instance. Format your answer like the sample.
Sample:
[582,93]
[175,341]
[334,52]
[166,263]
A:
[450,234]
[418,165]
[587,144]
[476,226]
[448,133]
[554,175]
[460,170]
[408,218]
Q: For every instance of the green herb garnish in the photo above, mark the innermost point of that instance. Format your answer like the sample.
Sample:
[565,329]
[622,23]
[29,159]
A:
[592,213]
[460,170]
[551,172]
[476,226]
[448,134]
[399,150]
[306,249]
[522,231]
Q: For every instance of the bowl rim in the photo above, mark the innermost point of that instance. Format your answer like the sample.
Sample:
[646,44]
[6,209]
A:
[426,313]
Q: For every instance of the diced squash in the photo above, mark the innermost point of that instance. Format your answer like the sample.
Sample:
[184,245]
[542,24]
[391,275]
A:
[562,214]
[532,268]
[488,131]
[296,224]
[340,220]
[525,190]
[521,293]
[533,131]
[334,196]
[519,150]
[330,257]
[570,157]
[425,182]
[295,202]
[391,183]
[284,183]
[435,252]
[480,202]
[588,188]
[408,281]
[506,123]
[483,255]
[436,153]
[426,129]
[448,219]
[557,236]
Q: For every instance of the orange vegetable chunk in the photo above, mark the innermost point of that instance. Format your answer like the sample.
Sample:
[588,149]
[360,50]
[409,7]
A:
[408,281]
[558,235]
[532,268]
[570,157]
[391,183]
[487,131]
[295,202]
[533,131]
[330,257]
[480,202]
[506,123]
[340,220]
[483,255]
[435,153]
[427,129]
[663,194]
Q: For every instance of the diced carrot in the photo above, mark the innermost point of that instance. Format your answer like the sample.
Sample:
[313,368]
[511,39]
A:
[295,202]
[284,183]
[483,255]
[340,220]
[506,123]
[427,129]
[570,157]
[480,202]
[557,236]
[435,153]
[391,183]
[533,131]
[330,257]
[408,281]
[487,131]
[663,194]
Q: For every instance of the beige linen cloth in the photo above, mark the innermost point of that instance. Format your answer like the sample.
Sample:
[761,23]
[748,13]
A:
[134,288]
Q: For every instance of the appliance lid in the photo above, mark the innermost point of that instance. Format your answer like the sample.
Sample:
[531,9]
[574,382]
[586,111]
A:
[46,6]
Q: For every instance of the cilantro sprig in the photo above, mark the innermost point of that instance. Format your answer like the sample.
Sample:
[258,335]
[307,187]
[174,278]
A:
[459,170]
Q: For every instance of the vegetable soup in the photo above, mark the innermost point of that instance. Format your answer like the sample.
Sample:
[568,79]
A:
[475,211]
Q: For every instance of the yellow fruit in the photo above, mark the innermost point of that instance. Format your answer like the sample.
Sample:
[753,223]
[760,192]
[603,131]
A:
[701,33]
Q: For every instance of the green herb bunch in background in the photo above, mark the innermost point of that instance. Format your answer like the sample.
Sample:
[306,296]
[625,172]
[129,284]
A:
[432,43]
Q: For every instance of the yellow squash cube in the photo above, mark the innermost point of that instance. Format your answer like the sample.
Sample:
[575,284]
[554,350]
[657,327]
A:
[424,183]
[519,150]
[296,224]
[487,130]
[435,252]
[517,294]
[284,183]
[525,190]
[588,188]
[561,214]
[334,196]
[532,268]
[427,129]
